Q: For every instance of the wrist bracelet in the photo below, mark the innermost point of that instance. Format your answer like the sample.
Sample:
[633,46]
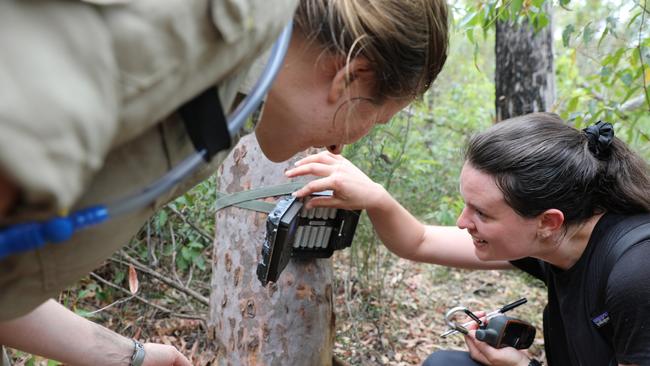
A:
[138,354]
[534,362]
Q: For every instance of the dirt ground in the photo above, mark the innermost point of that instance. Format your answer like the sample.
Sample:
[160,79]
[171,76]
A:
[396,318]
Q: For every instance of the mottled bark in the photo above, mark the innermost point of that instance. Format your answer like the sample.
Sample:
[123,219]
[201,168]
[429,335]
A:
[290,322]
[524,75]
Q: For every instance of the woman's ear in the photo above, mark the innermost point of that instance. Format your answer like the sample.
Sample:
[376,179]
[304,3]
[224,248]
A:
[550,221]
[354,72]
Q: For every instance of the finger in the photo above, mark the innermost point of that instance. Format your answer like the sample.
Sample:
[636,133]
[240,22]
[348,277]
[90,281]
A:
[489,352]
[317,169]
[326,202]
[474,352]
[181,360]
[317,185]
[325,157]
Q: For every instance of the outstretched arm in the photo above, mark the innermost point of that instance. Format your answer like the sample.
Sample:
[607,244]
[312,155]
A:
[402,233]
[55,332]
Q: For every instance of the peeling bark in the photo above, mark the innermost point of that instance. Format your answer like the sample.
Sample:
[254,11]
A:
[524,75]
[290,322]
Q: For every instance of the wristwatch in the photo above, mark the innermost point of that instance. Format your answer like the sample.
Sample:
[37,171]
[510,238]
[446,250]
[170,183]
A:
[138,354]
[534,362]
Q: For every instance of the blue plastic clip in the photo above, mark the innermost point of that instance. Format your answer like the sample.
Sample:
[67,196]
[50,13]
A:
[34,235]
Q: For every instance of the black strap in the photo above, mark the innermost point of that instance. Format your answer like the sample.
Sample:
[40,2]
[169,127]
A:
[620,238]
[206,123]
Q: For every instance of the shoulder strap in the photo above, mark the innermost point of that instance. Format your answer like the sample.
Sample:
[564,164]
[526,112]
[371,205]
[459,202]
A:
[620,238]
[206,123]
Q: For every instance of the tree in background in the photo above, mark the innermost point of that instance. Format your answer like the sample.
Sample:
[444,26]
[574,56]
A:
[524,73]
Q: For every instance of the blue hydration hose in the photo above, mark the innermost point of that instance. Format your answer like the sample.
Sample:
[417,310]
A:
[33,235]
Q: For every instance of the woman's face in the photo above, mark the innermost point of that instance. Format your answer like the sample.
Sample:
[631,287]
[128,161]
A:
[312,105]
[498,232]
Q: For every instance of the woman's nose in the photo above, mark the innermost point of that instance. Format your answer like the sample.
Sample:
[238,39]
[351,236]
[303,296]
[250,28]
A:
[463,222]
[335,149]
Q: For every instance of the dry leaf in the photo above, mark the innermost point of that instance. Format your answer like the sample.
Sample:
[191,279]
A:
[133,280]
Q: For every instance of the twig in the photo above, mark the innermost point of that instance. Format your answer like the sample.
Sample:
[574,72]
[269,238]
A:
[163,309]
[151,250]
[599,97]
[143,268]
[111,305]
[205,235]
[173,237]
[633,104]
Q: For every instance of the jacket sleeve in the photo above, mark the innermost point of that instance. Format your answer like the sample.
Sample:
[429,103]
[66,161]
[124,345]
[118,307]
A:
[59,101]
[78,79]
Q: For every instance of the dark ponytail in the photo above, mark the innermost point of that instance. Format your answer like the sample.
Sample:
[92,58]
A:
[539,163]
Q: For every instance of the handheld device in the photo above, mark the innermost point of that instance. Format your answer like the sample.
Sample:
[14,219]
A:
[504,331]
[499,330]
[292,231]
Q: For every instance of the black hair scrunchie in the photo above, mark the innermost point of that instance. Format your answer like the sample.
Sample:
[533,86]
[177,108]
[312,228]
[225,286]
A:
[599,138]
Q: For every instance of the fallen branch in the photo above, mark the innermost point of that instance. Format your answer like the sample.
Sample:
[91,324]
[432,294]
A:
[156,306]
[144,269]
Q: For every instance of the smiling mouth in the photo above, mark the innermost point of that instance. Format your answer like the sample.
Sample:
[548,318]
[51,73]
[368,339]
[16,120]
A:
[479,242]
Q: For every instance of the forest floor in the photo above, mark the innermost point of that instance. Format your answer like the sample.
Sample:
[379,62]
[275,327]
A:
[395,318]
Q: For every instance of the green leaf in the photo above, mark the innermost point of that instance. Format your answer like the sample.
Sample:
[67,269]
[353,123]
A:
[605,72]
[612,24]
[566,34]
[541,21]
[587,34]
[627,78]
[573,104]
[186,253]
[83,313]
[200,262]
[470,19]
[515,6]
[632,20]
[602,36]
[161,220]
[470,35]
[119,276]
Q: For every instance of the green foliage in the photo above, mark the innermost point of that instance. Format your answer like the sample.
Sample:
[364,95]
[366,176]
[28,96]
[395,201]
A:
[602,69]
[419,154]
[602,62]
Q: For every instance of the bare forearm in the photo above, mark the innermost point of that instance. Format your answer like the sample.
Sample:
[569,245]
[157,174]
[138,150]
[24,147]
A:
[55,332]
[400,232]
[406,236]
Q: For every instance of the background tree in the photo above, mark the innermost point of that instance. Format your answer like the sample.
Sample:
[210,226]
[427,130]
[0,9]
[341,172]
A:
[524,75]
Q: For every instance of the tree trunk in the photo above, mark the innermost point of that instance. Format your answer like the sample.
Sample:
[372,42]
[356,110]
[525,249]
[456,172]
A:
[290,322]
[524,75]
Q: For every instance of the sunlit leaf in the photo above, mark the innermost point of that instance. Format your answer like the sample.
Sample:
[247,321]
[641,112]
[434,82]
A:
[566,34]
[133,280]
[587,34]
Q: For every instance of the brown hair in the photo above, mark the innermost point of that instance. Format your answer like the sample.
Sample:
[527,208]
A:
[539,163]
[404,40]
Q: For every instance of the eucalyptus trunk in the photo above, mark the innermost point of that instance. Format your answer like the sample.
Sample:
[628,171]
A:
[290,322]
[524,75]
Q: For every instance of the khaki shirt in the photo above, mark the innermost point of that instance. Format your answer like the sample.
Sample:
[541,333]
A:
[88,92]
